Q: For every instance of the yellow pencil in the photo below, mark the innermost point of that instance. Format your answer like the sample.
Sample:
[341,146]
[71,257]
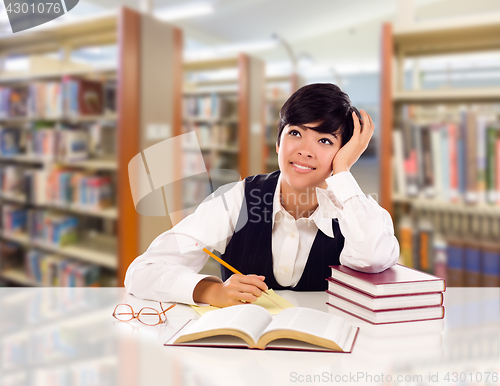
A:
[234,270]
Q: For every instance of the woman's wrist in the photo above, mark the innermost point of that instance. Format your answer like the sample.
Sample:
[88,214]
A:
[339,168]
[205,291]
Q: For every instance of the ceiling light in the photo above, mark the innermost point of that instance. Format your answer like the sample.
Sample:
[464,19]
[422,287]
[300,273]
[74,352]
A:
[229,49]
[184,11]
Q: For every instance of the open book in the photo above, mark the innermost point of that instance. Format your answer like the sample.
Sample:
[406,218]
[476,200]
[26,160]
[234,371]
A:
[252,326]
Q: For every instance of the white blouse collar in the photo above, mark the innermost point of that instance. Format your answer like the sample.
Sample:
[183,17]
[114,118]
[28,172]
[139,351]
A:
[322,216]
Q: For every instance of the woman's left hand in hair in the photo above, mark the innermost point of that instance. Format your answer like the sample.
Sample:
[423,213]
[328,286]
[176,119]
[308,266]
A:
[352,150]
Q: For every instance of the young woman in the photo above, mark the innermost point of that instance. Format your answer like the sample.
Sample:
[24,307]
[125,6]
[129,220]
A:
[290,224]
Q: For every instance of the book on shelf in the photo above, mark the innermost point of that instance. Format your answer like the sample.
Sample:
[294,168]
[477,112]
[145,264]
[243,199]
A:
[59,187]
[68,188]
[380,303]
[492,173]
[424,246]
[57,99]
[4,102]
[18,102]
[405,237]
[397,280]
[195,191]
[209,106]
[72,145]
[470,159]
[398,163]
[427,161]
[439,257]
[52,228]
[455,274]
[53,270]
[466,257]
[226,135]
[83,97]
[453,159]
[203,134]
[42,142]
[110,91]
[65,143]
[13,102]
[473,263]
[253,326]
[10,142]
[46,99]
[490,265]
[11,255]
[410,158]
[102,140]
[11,181]
[14,218]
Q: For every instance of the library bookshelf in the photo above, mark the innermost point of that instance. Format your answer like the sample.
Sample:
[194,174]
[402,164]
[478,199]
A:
[105,106]
[444,205]
[228,116]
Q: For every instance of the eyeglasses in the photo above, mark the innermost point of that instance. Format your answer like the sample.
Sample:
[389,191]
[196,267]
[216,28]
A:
[147,315]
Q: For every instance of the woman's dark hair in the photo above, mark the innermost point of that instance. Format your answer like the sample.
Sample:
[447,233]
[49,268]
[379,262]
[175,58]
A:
[319,102]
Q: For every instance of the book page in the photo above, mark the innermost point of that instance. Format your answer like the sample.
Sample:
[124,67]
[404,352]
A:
[248,318]
[211,341]
[314,322]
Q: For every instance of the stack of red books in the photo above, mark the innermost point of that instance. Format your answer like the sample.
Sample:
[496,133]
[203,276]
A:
[398,294]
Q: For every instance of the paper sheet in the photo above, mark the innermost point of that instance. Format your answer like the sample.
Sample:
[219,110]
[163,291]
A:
[273,303]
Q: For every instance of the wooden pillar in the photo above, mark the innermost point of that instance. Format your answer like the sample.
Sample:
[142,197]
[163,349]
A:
[386,110]
[128,104]
[251,112]
[243,114]
[161,104]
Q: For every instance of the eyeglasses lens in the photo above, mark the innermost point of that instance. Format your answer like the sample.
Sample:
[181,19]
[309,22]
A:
[149,316]
[124,312]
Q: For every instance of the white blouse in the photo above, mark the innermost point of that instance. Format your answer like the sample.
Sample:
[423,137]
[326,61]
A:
[168,270]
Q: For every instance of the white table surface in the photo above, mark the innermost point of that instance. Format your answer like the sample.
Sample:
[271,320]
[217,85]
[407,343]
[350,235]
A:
[67,336]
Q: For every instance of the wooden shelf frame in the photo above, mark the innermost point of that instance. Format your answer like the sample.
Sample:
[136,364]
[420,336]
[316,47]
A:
[91,72]
[92,30]
[110,213]
[71,119]
[79,252]
[464,34]
[88,164]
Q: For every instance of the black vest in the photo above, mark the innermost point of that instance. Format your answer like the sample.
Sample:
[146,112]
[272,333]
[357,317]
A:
[250,249]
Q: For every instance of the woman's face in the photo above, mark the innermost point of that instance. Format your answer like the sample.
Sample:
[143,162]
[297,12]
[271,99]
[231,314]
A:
[305,156]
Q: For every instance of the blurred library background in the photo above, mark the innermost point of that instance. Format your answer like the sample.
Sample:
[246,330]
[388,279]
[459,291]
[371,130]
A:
[109,82]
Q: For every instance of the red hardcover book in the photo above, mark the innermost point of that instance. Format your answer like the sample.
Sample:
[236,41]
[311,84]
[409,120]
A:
[90,97]
[400,315]
[387,302]
[397,280]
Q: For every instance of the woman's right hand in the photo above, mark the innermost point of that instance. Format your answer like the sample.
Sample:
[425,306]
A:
[238,289]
